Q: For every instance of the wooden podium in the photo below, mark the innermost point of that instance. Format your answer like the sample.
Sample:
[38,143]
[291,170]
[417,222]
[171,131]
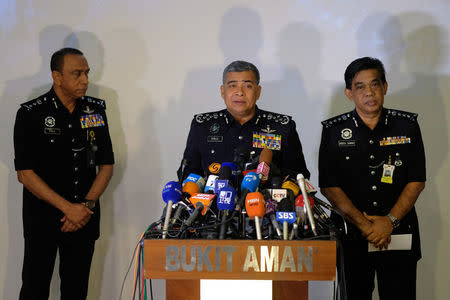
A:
[289,264]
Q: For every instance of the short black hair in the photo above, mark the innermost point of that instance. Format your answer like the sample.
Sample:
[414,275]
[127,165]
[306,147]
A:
[240,66]
[360,64]
[57,60]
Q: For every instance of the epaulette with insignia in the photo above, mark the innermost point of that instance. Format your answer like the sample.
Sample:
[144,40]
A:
[274,117]
[29,105]
[205,117]
[402,114]
[336,120]
[93,100]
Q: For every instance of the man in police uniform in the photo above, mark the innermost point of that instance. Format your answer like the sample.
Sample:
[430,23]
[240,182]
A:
[215,136]
[372,167]
[59,140]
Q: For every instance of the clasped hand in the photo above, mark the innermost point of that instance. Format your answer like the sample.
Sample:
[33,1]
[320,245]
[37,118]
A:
[379,231]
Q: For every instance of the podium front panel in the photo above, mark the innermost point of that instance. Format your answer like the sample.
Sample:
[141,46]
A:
[240,259]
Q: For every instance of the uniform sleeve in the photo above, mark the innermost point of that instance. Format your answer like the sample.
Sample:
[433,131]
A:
[327,166]
[105,154]
[192,152]
[416,168]
[293,157]
[24,150]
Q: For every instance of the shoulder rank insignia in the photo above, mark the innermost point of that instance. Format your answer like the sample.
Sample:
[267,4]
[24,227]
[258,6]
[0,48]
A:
[206,117]
[402,114]
[95,101]
[336,120]
[34,103]
[274,117]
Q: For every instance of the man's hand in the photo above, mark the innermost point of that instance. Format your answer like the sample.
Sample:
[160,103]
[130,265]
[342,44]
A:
[381,231]
[68,226]
[78,215]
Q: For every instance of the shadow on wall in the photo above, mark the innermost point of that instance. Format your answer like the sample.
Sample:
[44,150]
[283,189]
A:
[240,38]
[17,91]
[94,52]
[135,203]
[299,51]
[412,48]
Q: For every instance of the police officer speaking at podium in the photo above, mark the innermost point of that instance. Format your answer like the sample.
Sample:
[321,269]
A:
[372,167]
[60,138]
[215,137]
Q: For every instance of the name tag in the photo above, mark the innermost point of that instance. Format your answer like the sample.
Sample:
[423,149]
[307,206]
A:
[215,139]
[346,143]
[53,131]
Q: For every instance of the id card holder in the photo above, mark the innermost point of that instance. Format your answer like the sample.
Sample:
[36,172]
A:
[388,173]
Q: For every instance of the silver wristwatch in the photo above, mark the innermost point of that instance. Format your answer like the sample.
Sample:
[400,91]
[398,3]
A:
[89,204]
[395,222]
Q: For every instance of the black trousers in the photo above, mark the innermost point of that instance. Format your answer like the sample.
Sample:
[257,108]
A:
[395,271]
[39,261]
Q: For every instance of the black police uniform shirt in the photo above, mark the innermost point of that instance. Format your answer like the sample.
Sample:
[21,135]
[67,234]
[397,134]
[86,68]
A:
[64,150]
[214,136]
[373,166]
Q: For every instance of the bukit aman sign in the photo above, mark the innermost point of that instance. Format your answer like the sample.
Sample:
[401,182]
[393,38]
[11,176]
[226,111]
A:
[239,259]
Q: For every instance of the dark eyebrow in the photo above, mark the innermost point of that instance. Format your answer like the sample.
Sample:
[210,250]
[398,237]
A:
[233,81]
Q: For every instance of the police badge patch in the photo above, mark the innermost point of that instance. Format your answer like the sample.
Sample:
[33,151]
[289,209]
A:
[49,121]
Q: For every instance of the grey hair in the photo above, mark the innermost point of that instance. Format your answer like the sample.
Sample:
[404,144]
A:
[240,66]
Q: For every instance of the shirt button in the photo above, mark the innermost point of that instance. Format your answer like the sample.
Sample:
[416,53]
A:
[371,142]
[75,154]
[371,157]
[347,157]
[73,140]
[70,125]
[76,169]
[397,154]
[375,203]
[52,141]
[240,137]
[212,151]
[76,196]
[374,187]
[372,172]
[76,182]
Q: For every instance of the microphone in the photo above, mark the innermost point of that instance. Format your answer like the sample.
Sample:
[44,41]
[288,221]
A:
[301,183]
[271,211]
[300,209]
[171,194]
[210,183]
[263,169]
[249,184]
[225,204]
[201,202]
[285,215]
[196,179]
[291,186]
[214,168]
[182,170]
[255,207]
[223,180]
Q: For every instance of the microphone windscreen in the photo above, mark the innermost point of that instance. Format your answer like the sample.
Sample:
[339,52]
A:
[290,185]
[266,156]
[254,205]
[172,192]
[299,201]
[191,188]
[226,198]
[250,182]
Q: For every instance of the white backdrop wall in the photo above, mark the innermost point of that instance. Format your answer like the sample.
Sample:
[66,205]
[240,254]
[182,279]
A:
[158,62]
